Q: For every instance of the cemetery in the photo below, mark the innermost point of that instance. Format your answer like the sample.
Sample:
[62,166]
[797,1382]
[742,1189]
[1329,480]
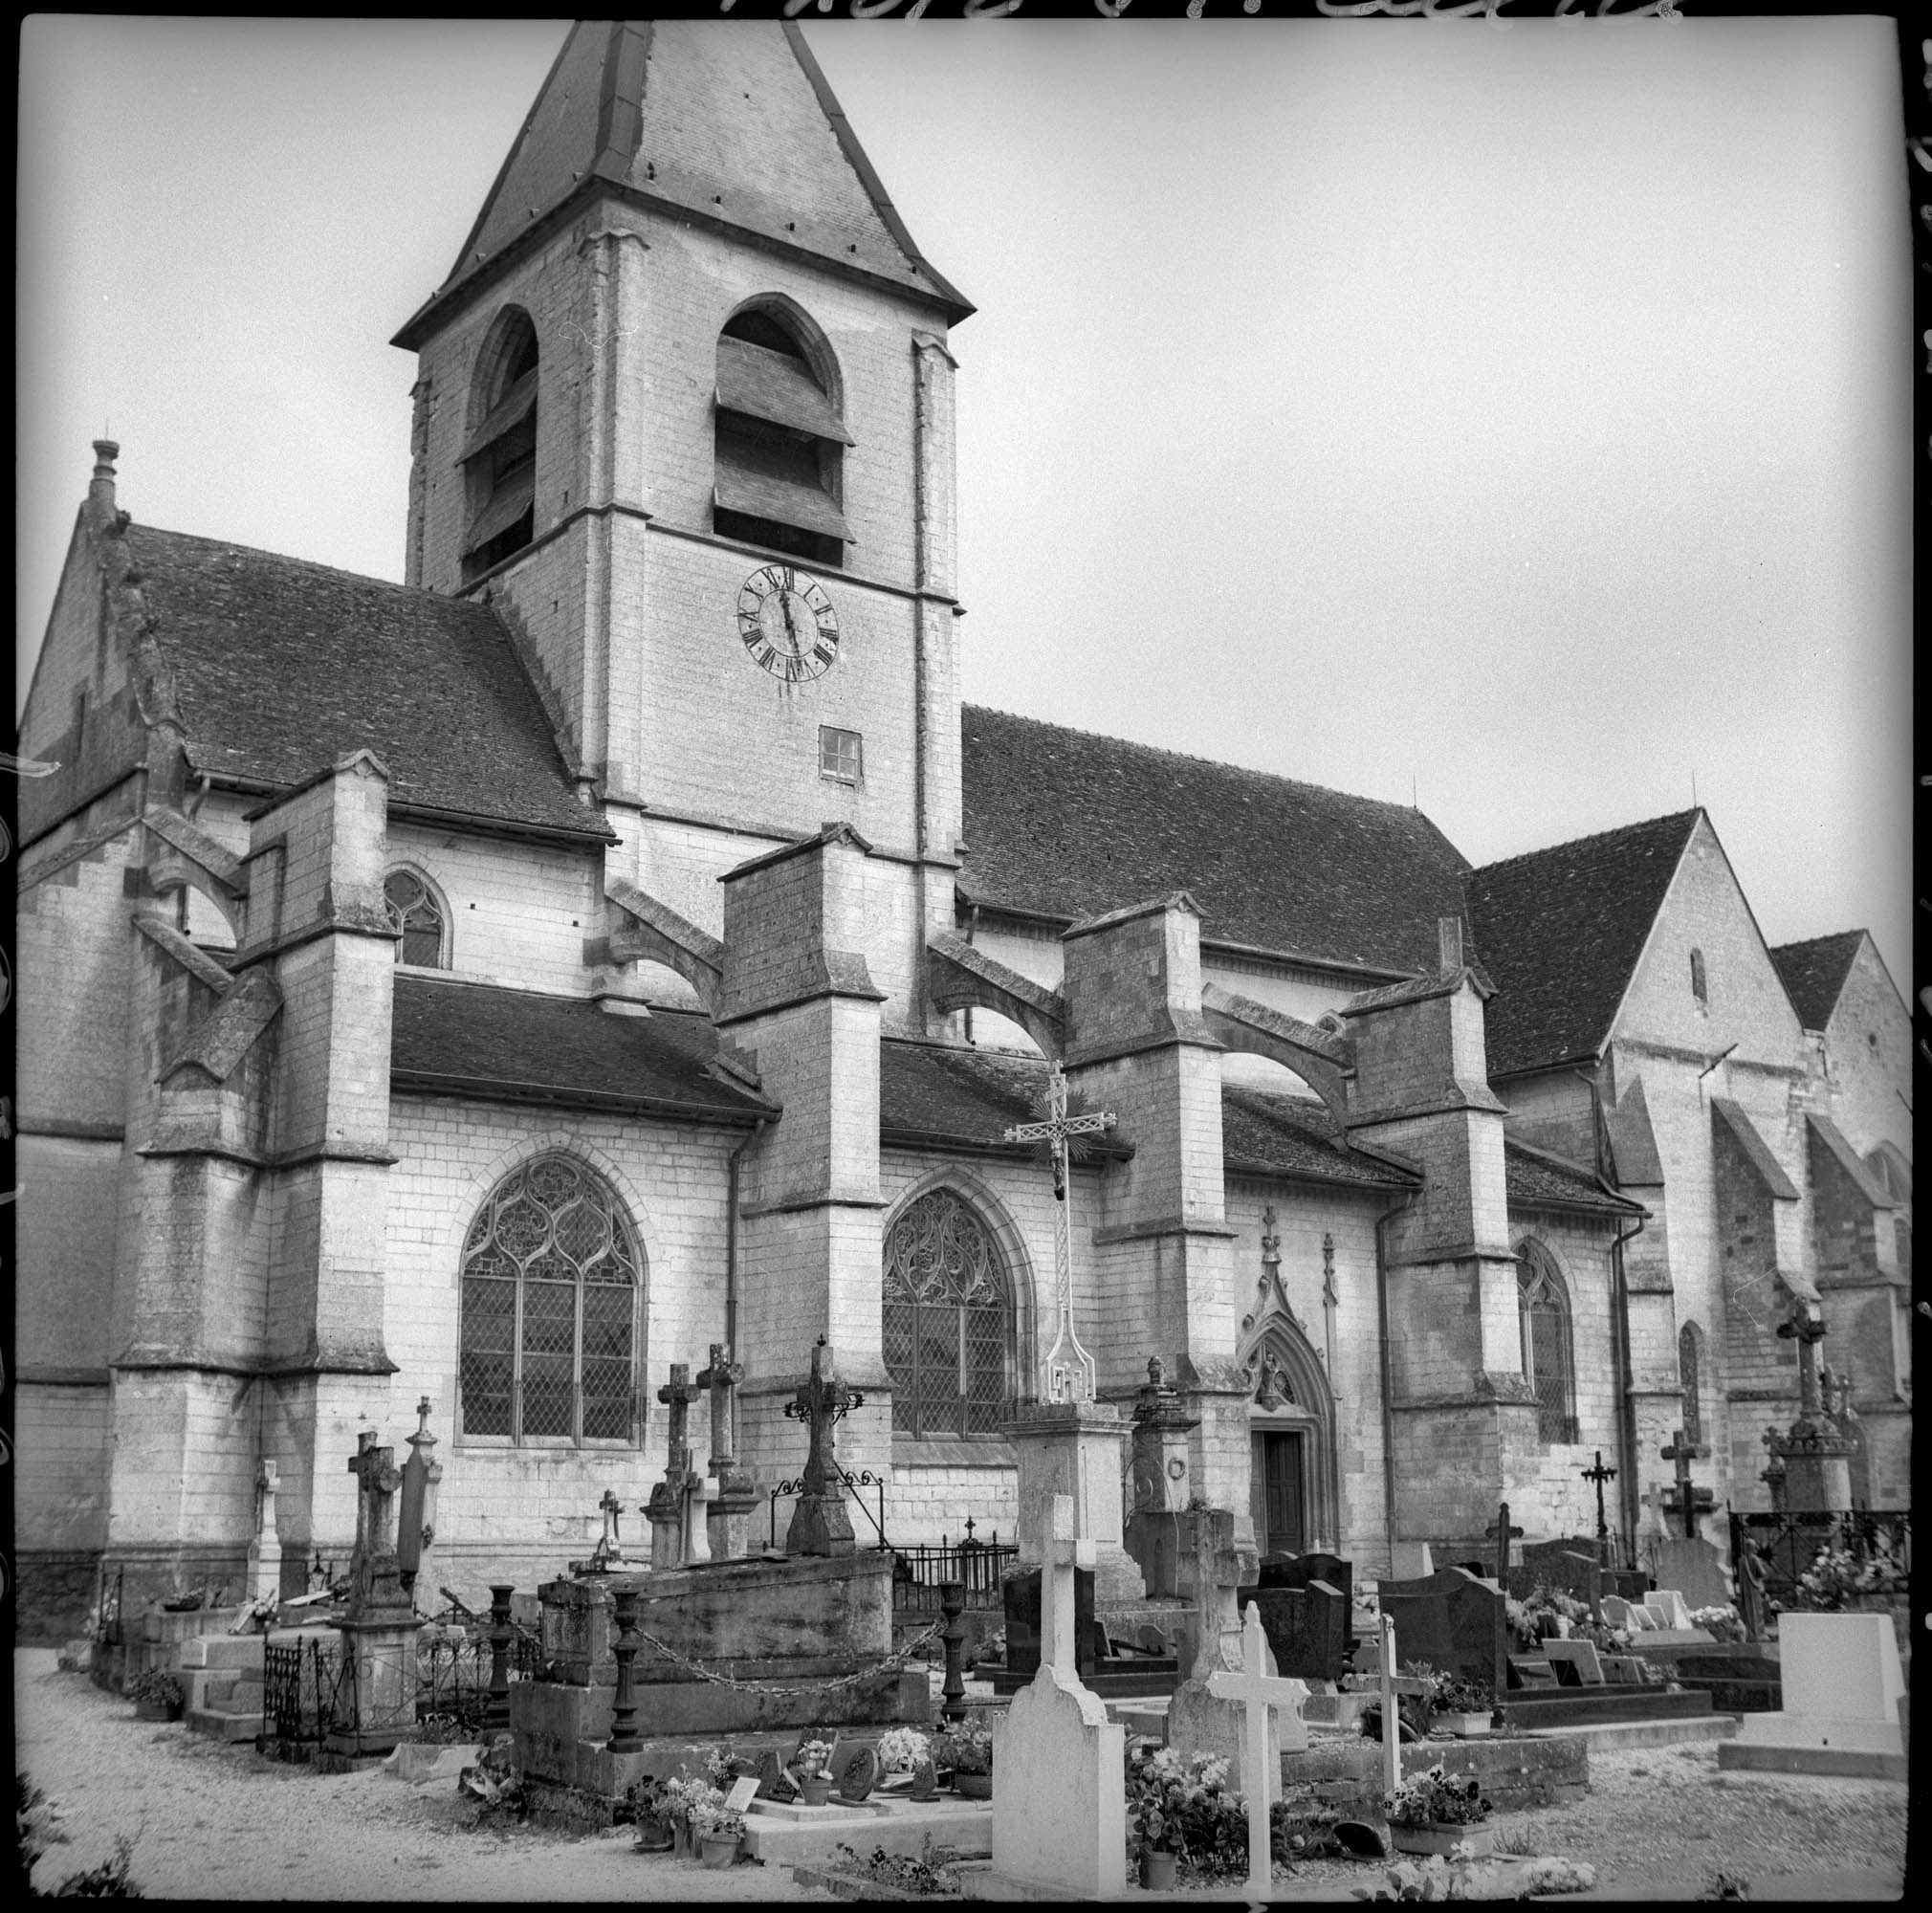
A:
[1167,1711]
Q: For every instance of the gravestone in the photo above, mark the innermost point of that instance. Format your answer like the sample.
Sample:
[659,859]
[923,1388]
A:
[1626,1615]
[819,1523]
[1297,1571]
[1577,1655]
[1842,1688]
[1306,1628]
[1059,1798]
[1451,1621]
[416,1519]
[1020,1596]
[1695,1569]
[1260,1691]
[1622,1670]
[858,1774]
[1666,1608]
[1566,1568]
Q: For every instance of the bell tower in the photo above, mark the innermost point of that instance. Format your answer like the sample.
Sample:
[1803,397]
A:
[684,418]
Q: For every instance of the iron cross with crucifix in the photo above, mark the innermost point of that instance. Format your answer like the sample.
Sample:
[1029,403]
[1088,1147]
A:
[1067,1374]
[1599,1474]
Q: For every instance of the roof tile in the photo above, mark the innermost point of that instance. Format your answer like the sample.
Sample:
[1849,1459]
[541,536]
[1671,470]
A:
[1814,973]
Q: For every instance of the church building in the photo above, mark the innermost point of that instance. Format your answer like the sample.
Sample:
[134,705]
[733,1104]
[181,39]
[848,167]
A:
[618,944]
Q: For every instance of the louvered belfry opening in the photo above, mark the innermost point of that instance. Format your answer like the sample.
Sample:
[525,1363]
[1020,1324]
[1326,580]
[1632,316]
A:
[780,440]
[499,456]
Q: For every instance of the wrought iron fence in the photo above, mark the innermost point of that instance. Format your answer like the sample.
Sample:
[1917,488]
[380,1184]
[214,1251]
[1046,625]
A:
[452,1675]
[919,1572]
[1788,1545]
[304,1693]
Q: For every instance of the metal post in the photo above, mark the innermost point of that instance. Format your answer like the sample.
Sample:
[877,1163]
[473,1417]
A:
[953,1693]
[497,1713]
[624,1735]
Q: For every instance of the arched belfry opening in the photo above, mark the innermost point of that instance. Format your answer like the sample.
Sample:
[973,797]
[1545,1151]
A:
[1294,1487]
[499,456]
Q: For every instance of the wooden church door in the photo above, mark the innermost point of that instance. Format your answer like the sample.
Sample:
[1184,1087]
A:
[1279,1526]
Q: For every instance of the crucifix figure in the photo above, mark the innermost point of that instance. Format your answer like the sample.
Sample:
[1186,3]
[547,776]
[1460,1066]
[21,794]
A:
[1688,1499]
[1067,1373]
[1328,1300]
[1061,1552]
[1503,1534]
[822,1526]
[1259,1688]
[1599,1475]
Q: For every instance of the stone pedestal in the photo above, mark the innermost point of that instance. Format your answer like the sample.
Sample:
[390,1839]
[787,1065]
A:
[378,1705]
[666,1514]
[1818,1466]
[730,1518]
[1074,1448]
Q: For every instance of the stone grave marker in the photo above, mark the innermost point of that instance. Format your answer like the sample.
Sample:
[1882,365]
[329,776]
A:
[1454,1621]
[1666,1608]
[1842,1687]
[1694,1569]
[744,1790]
[1060,1791]
[1297,1571]
[1258,1690]
[858,1774]
[1578,1656]
[1306,1628]
[1623,1614]
[774,1781]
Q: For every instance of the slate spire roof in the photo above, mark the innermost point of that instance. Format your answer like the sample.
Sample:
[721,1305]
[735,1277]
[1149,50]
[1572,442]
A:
[728,122]
[1560,931]
[1064,825]
[1814,973]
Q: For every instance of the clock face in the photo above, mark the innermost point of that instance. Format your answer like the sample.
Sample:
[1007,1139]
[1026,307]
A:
[787,623]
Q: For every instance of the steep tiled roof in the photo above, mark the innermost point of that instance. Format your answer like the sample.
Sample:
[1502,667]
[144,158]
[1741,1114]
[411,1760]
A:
[932,1095]
[282,667]
[1536,1179]
[1264,1135]
[1064,824]
[1814,973]
[471,1040]
[1559,931]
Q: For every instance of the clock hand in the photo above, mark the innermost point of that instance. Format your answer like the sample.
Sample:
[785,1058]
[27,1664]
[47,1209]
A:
[791,629]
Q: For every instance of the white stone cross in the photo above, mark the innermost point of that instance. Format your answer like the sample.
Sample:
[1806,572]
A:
[1393,1688]
[1061,1552]
[1259,1691]
[1067,1373]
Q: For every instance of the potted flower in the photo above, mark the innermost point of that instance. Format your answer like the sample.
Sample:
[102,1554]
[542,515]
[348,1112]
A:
[907,1751]
[683,1799]
[967,1751]
[719,1829]
[1463,1707]
[156,1694]
[1435,1812]
[650,1815]
[1154,1828]
[815,1782]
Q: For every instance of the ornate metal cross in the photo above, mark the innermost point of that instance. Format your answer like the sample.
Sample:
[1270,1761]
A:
[1600,1475]
[821,1401]
[1067,1373]
[1503,1534]
[1687,1499]
[1329,1299]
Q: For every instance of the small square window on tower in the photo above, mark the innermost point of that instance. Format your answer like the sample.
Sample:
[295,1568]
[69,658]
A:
[841,754]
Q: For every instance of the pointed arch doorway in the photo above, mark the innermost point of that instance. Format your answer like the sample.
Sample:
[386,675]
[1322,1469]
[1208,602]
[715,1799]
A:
[1293,1484]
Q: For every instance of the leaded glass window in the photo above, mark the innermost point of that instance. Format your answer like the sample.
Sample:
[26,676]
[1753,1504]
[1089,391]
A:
[1687,1378]
[551,1288]
[946,1318]
[1544,1314]
[414,910]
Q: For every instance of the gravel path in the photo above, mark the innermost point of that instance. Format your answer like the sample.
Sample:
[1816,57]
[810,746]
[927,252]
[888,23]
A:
[216,1823]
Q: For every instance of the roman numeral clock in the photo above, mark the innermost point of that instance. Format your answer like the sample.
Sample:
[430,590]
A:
[787,624]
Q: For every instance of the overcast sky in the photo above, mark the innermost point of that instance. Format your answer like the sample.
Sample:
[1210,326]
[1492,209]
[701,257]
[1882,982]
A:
[1522,417]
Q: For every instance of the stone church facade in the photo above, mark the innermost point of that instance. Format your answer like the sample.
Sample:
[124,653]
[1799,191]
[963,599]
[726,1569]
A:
[620,939]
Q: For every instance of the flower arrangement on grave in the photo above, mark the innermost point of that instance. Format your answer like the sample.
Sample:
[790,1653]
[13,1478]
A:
[967,1748]
[711,1819]
[1722,1622]
[1182,1804]
[1459,1694]
[1460,1876]
[1544,1614]
[1415,1709]
[157,1687]
[1607,1639]
[1436,1799]
[990,1650]
[1837,1576]
[685,1797]
[931,1875]
[811,1757]
[901,1749]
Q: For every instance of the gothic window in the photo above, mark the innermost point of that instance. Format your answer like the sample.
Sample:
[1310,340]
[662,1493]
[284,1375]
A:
[1542,1312]
[1699,989]
[499,456]
[414,910]
[552,1288]
[780,438]
[1687,1374]
[946,1320]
